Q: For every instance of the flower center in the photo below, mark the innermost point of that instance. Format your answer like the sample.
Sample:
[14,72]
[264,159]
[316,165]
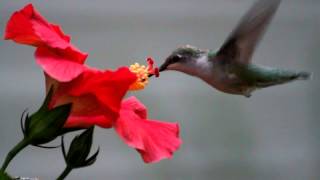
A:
[142,72]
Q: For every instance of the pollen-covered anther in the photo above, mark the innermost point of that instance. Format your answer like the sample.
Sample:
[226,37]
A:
[142,72]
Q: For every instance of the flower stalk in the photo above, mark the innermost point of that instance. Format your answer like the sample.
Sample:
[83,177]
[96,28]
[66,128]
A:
[40,128]
[14,151]
[65,173]
[4,176]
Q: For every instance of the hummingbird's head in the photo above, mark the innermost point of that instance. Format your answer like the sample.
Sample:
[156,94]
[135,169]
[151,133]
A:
[184,59]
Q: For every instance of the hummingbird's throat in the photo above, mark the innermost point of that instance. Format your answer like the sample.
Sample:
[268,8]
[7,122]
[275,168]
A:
[142,72]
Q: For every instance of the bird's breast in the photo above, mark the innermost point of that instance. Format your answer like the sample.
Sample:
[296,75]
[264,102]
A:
[226,80]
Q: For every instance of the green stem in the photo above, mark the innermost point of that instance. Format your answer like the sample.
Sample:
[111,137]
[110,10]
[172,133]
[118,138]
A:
[14,151]
[65,173]
[5,176]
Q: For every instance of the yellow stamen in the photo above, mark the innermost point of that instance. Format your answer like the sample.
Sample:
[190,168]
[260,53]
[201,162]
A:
[142,76]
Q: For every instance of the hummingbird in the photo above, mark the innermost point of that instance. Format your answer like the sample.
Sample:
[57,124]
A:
[230,69]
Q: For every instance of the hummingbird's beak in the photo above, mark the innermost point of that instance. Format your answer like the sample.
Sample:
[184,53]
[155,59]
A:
[163,67]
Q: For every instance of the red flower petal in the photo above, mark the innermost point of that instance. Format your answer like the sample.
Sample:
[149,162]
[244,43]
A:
[58,65]
[87,121]
[27,26]
[19,27]
[108,86]
[96,96]
[154,140]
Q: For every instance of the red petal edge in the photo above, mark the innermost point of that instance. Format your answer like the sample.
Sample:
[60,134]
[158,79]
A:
[154,140]
[96,96]
[58,65]
[27,26]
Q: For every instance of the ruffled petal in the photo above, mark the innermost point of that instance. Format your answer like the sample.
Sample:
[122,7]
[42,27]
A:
[58,65]
[96,96]
[108,86]
[86,109]
[27,26]
[154,140]
[87,121]
[19,27]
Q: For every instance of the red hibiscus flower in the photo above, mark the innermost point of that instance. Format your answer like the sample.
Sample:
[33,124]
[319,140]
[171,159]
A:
[27,26]
[96,95]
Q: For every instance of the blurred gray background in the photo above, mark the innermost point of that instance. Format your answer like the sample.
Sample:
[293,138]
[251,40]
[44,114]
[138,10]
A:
[275,134]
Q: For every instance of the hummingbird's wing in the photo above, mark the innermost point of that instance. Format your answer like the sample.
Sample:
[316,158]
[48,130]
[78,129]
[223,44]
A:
[242,42]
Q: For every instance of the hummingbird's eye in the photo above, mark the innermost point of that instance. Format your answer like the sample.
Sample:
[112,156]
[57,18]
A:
[176,58]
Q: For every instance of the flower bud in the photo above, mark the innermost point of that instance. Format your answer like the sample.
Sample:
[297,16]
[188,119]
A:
[79,150]
[46,124]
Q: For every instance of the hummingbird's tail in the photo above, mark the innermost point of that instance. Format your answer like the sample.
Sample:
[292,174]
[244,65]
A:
[303,76]
[271,77]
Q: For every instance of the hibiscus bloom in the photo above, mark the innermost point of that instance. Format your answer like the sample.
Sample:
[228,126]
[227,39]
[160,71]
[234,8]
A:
[96,94]
[94,90]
